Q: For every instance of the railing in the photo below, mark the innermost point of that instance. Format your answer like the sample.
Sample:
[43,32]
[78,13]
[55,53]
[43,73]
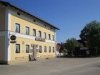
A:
[40,39]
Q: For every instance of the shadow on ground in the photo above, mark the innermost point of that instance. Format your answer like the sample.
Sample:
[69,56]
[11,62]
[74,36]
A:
[77,56]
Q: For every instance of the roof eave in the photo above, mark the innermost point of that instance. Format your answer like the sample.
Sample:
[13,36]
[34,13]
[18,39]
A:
[8,4]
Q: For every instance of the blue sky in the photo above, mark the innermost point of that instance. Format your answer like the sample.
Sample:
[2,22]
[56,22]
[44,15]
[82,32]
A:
[69,15]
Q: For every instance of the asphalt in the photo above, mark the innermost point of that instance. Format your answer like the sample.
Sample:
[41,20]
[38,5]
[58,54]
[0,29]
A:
[58,66]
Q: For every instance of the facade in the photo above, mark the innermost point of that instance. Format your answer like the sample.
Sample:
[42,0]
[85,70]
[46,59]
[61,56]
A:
[23,35]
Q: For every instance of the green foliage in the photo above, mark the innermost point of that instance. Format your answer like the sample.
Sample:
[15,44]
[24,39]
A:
[91,34]
[70,45]
[61,50]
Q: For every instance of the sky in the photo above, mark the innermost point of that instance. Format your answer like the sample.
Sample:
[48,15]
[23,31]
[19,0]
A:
[70,16]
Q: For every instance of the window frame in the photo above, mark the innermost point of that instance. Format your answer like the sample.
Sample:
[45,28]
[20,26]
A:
[28,46]
[53,36]
[45,35]
[53,49]
[40,34]
[17,30]
[40,49]
[49,49]
[27,30]
[17,51]
[49,36]
[45,49]
[34,32]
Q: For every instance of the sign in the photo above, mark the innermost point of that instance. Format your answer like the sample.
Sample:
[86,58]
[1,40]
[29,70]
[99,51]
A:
[13,37]
[12,41]
[40,39]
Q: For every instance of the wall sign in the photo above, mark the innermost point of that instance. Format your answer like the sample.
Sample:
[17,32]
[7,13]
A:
[40,39]
[13,39]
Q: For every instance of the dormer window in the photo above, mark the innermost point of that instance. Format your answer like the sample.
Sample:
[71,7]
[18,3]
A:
[45,25]
[18,13]
[34,20]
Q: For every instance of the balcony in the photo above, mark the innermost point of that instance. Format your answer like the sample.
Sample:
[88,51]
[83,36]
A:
[40,39]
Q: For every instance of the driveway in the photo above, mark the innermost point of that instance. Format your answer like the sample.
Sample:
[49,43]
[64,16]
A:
[57,66]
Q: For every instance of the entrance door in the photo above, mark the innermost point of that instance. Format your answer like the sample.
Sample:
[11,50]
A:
[34,52]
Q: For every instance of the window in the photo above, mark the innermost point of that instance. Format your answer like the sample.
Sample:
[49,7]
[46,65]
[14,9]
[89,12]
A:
[53,49]
[53,37]
[17,48]
[49,49]
[27,30]
[40,34]
[45,35]
[34,32]
[45,49]
[27,48]
[40,49]
[49,37]
[34,20]
[17,28]
[18,13]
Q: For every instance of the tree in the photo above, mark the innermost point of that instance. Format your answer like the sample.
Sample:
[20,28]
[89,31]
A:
[70,45]
[61,48]
[91,34]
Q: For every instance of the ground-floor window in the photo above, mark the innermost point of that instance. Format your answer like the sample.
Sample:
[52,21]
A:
[49,49]
[53,49]
[45,49]
[17,48]
[40,49]
[27,48]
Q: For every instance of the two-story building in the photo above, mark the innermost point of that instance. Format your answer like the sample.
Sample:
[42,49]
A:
[23,35]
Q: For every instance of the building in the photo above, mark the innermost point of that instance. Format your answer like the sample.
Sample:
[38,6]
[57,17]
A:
[23,35]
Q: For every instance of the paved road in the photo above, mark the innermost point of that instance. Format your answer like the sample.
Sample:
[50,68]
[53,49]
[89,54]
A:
[58,66]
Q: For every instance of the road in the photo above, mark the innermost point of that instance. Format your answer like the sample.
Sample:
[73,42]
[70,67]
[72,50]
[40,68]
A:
[58,66]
